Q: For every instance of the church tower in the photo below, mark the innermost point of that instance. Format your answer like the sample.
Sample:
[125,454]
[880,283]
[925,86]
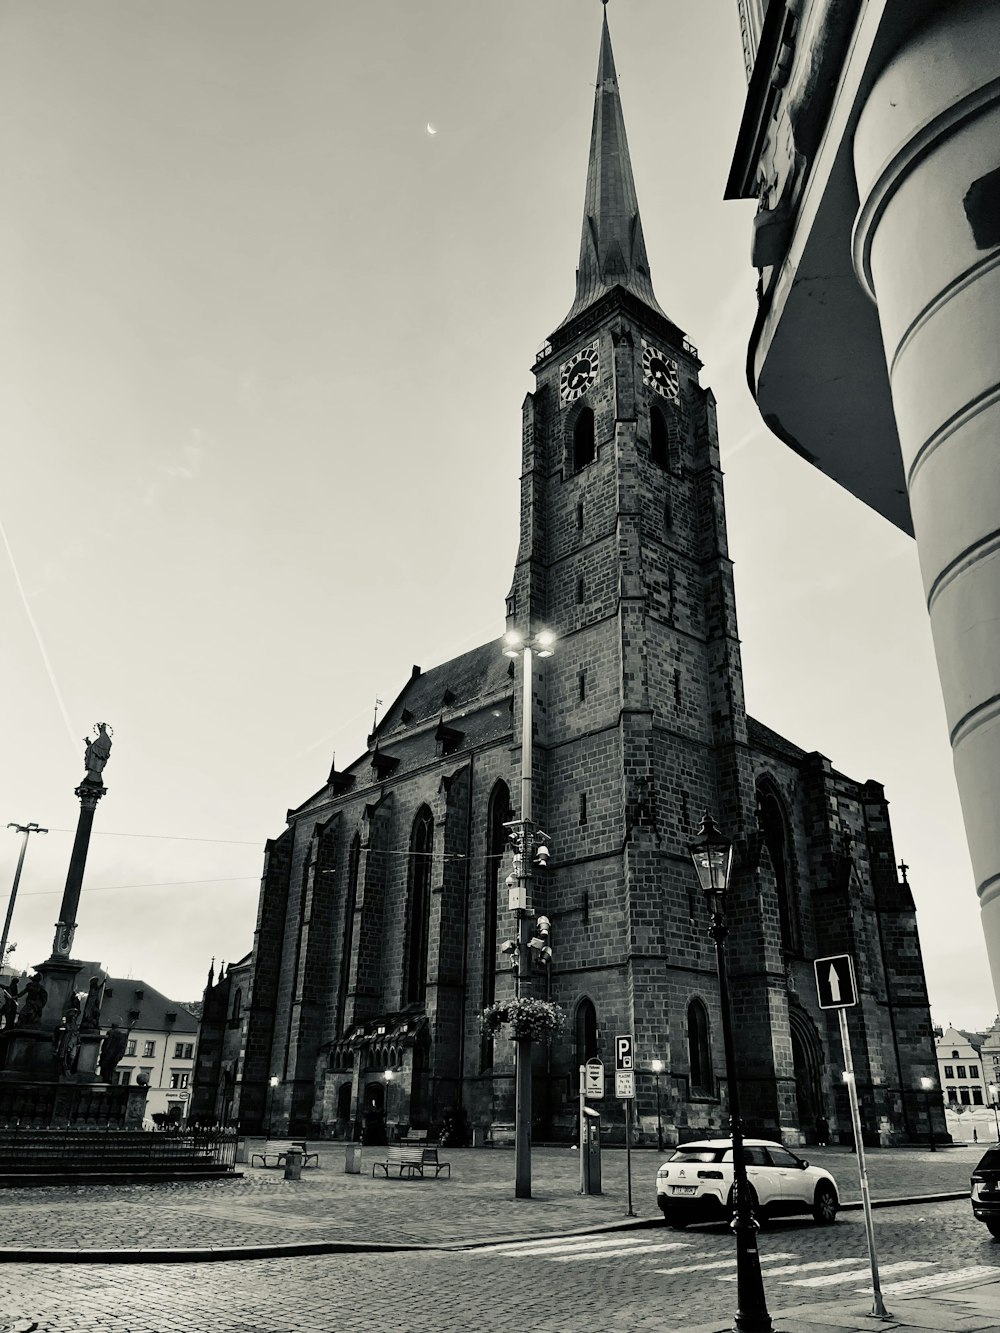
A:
[641,725]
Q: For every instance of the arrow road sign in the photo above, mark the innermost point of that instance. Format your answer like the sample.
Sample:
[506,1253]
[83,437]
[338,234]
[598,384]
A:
[593,1080]
[836,986]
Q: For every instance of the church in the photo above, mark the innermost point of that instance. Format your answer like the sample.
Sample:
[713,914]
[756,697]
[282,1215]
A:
[384,912]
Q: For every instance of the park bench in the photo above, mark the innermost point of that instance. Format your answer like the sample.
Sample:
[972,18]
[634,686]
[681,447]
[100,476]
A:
[401,1158]
[278,1149]
[502,1136]
[429,1159]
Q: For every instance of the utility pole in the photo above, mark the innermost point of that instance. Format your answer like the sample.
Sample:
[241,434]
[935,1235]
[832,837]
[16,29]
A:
[26,831]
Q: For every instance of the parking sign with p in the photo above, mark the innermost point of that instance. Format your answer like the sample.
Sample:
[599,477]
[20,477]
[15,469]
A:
[625,1051]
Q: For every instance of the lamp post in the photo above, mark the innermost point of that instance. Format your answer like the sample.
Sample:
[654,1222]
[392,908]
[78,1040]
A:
[712,855]
[993,1102]
[527,847]
[26,831]
[928,1084]
[657,1068]
[273,1083]
[388,1085]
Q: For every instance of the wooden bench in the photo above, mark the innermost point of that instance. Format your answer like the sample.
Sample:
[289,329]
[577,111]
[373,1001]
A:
[401,1159]
[279,1150]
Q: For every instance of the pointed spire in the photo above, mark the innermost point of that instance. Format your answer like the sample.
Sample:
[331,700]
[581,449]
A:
[211,975]
[612,249]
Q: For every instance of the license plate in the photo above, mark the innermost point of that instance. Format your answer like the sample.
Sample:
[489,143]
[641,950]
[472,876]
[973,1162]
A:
[683,1189]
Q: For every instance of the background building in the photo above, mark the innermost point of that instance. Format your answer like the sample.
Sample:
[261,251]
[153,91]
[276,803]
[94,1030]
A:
[220,1038]
[162,1041]
[383,910]
[869,140]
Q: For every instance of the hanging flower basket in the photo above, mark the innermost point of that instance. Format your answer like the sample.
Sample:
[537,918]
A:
[529,1019]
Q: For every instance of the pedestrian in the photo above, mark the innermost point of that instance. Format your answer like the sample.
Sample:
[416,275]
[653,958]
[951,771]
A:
[822,1131]
[975,1135]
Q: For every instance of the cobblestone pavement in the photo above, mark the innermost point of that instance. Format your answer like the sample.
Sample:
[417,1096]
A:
[326,1205]
[652,1279]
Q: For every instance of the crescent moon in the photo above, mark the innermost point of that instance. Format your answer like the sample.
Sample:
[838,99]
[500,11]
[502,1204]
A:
[430,128]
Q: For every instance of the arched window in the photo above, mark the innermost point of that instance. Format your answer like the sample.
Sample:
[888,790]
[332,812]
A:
[771,816]
[496,841]
[699,1050]
[584,448]
[586,1032]
[658,439]
[347,937]
[419,914]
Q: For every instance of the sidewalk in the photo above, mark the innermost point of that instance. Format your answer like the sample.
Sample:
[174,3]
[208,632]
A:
[262,1215]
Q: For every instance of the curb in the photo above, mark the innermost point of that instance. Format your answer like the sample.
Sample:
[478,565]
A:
[300,1249]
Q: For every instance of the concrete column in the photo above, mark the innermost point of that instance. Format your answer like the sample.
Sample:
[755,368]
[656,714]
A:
[927,249]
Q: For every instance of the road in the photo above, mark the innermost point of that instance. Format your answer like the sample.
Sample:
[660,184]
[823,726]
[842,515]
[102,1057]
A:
[650,1279]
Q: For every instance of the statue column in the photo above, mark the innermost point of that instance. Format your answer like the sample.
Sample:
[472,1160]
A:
[89,792]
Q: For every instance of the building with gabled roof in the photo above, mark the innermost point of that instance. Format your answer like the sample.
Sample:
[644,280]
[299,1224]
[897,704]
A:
[383,912]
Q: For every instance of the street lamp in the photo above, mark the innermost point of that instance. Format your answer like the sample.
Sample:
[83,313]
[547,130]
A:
[657,1068]
[993,1102]
[274,1081]
[712,855]
[26,831]
[530,848]
[928,1084]
[388,1120]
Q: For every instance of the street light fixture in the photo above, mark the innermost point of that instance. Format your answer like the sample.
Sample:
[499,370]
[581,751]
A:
[657,1068]
[530,847]
[272,1084]
[26,831]
[388,1119]
[712,855]
[928,1084]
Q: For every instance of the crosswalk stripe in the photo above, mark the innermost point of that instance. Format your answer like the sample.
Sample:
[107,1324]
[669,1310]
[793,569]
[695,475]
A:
[706,1267]
[769,1270]
[936,1280]
[578,1256]
[557,1243]
[858,1275]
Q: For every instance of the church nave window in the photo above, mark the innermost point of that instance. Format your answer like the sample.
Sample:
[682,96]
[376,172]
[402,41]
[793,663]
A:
[584,446]
[421,849]
[699,1050]
[658,445]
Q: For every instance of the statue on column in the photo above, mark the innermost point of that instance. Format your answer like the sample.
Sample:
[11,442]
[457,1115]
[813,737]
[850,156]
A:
[95,756]
[66,1038]
[92,1005]
[35,996]
[8,1005]
[112,1050]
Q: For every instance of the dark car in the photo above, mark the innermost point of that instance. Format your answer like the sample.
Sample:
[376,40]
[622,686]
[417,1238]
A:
[986,1191]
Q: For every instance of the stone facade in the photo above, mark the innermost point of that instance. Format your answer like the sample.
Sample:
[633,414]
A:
[383,904]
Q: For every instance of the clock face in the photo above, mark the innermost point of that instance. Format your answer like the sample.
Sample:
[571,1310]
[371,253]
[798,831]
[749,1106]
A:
[658,371]
[578,373]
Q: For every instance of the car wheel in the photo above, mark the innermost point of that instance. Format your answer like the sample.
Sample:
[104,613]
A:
[676,1221]
[758,1212]
[825,1205]
[994,1229]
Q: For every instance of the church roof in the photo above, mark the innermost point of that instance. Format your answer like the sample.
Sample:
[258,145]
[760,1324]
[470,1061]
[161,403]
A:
[612,249]
[131,1002]
[478,674]
[763,738]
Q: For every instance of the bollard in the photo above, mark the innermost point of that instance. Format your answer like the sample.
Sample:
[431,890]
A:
[293,1164]
[352,1161]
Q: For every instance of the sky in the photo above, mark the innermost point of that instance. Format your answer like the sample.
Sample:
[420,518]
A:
[273,278]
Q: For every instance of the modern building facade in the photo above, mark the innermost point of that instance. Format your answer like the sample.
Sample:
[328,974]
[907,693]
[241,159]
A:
[383,910]
[870,140]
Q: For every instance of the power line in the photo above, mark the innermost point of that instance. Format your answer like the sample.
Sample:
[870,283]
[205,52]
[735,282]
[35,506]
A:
[153,884]
[170,837]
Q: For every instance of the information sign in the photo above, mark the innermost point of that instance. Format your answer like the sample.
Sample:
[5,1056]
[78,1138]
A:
[625,1084]
[593,1080]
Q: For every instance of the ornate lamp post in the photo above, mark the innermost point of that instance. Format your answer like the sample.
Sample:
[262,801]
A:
[388,1120]
[712,855]
[527,848]
[657,1068]
[928,1086]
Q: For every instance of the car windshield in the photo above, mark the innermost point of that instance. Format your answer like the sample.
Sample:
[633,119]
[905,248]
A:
[696,1155]
[990,1161]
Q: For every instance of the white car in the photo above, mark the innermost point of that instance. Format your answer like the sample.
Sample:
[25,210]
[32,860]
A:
[696,1183]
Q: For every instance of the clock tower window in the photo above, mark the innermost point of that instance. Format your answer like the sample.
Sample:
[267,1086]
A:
[658,438]
[584,448]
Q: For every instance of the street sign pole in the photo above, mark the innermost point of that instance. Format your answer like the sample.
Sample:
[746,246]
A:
[628,1154]
[878,1307]
[582,1144]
